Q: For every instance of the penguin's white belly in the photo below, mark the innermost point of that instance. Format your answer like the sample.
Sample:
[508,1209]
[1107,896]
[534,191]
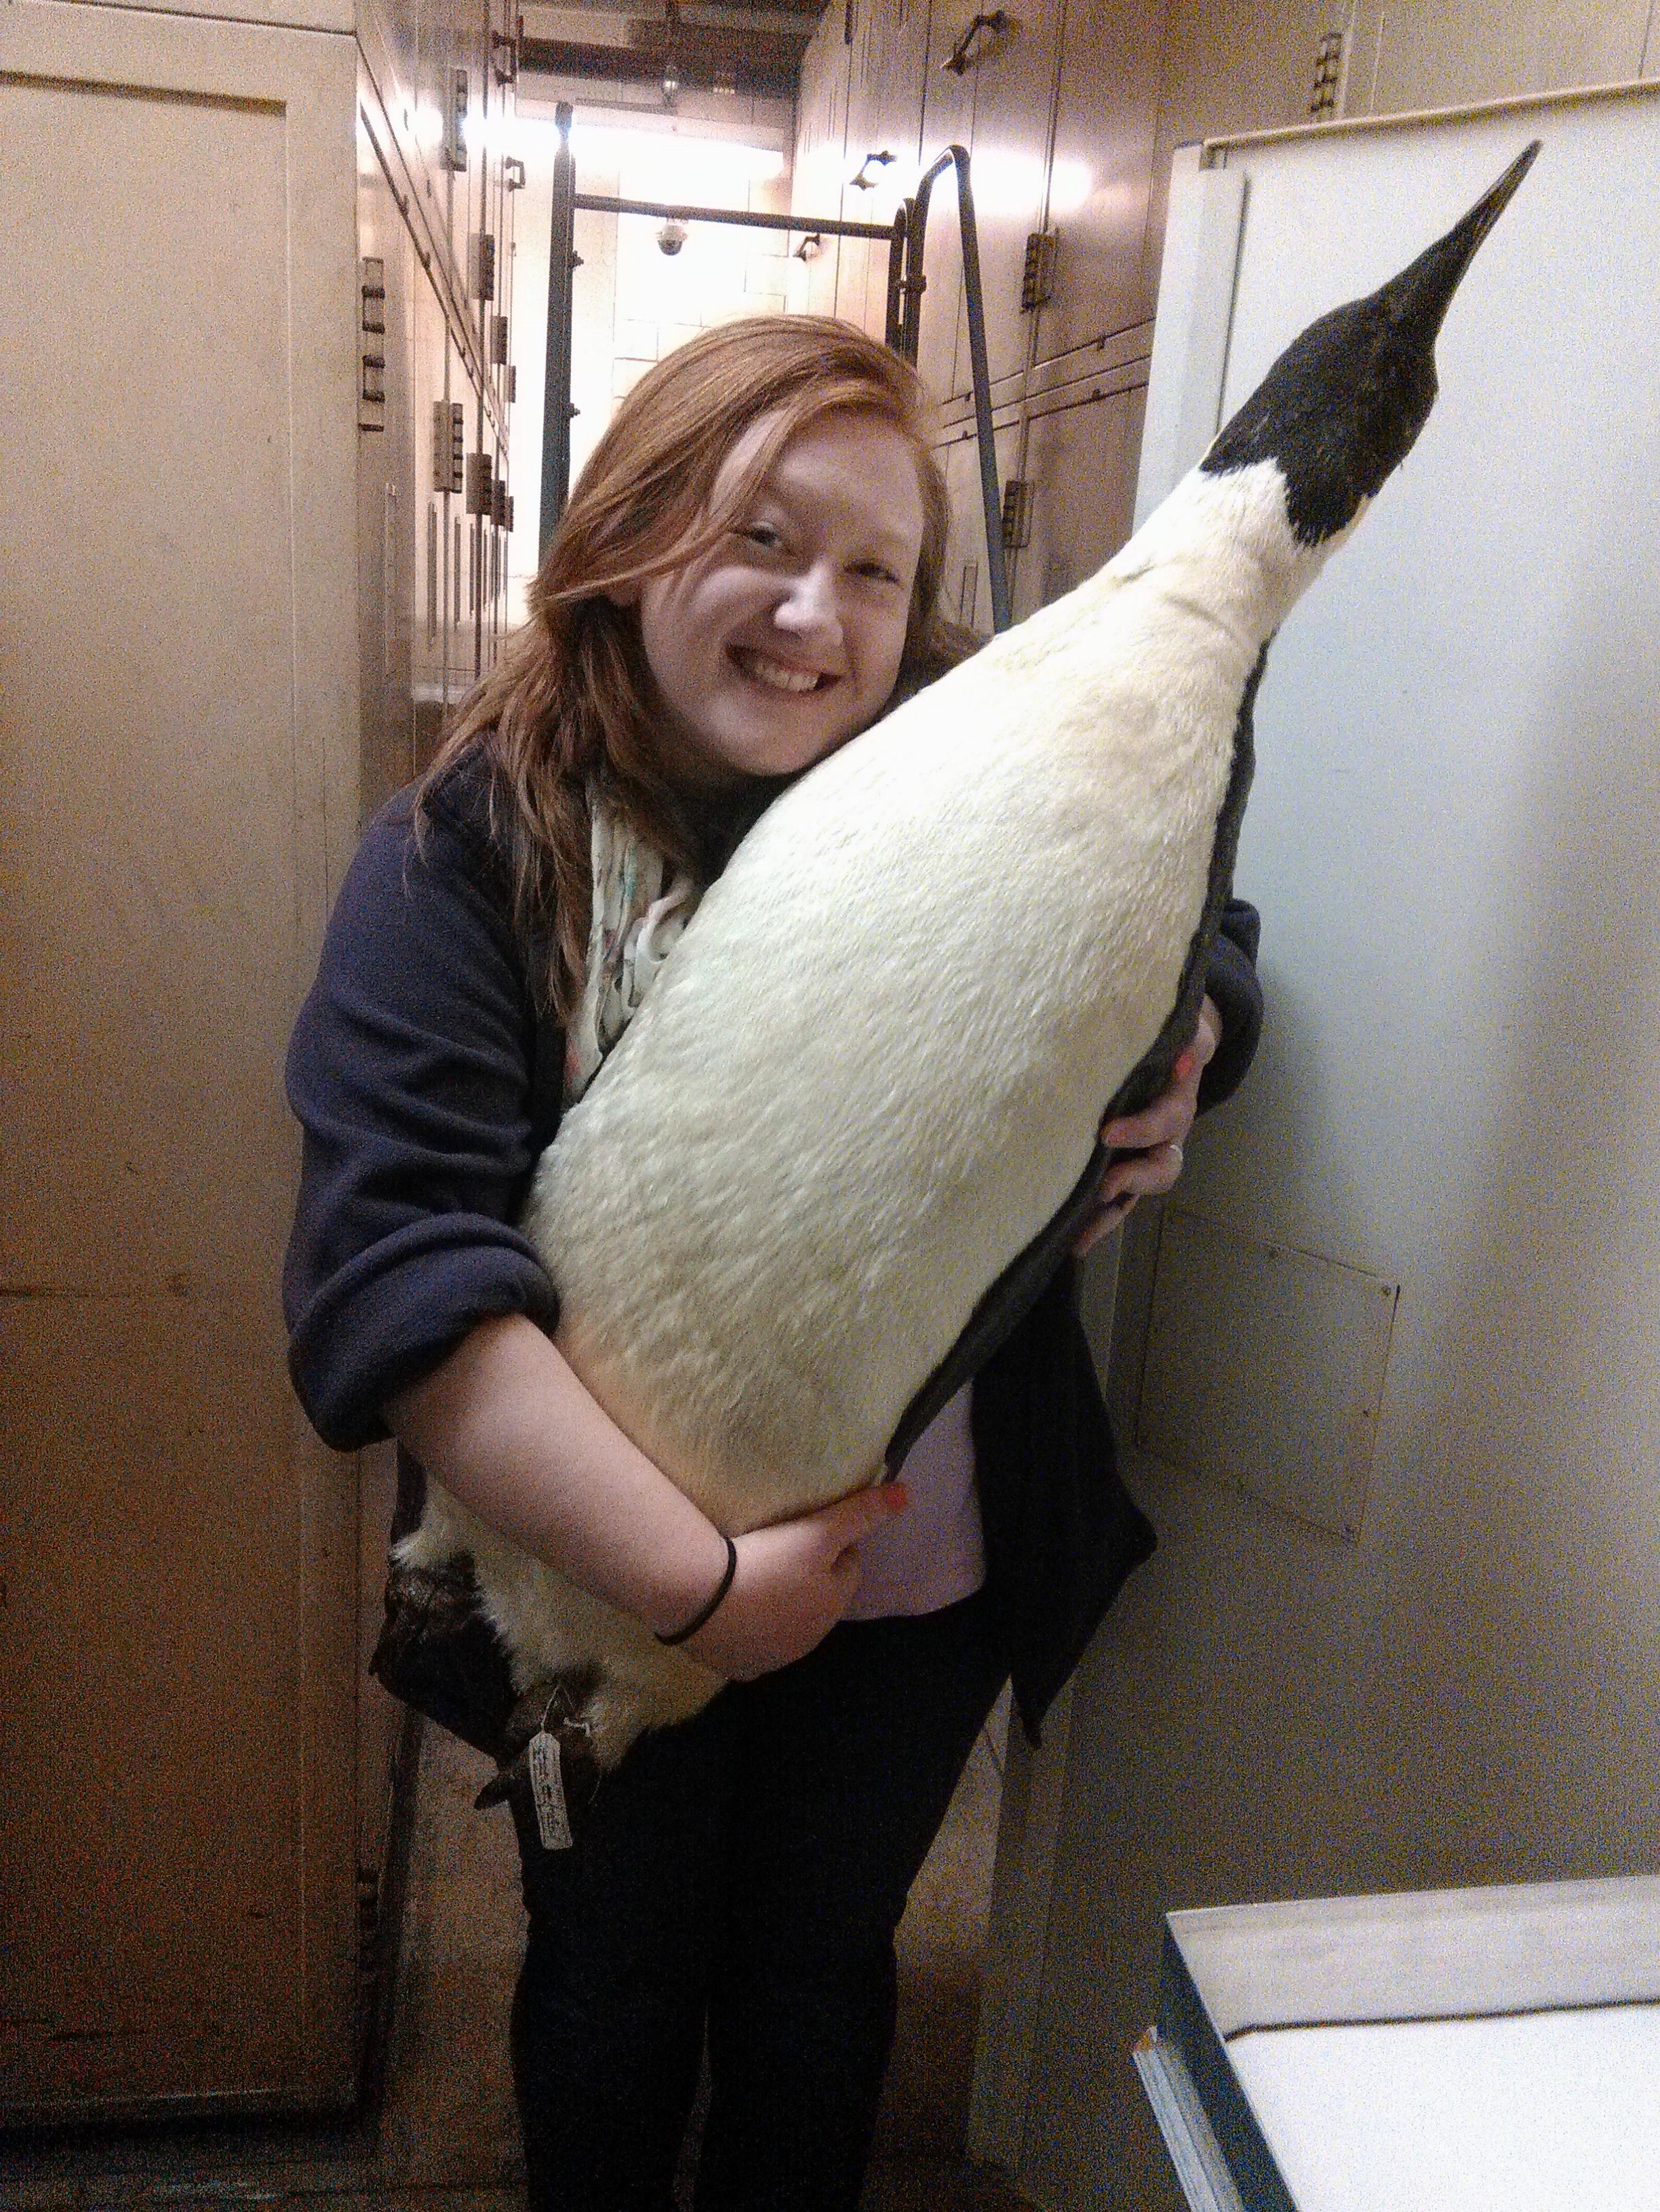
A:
[873,1069]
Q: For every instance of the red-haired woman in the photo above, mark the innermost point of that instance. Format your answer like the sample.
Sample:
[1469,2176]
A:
[746,576]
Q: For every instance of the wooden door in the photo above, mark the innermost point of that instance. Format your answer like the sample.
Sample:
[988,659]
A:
[1101,182]
[178,779]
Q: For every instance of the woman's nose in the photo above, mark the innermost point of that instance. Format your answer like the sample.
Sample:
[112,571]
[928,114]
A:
[810,607]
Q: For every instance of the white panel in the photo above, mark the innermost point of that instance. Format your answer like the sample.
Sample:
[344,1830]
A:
[1452,842]
[1190,338]
[1264,1370]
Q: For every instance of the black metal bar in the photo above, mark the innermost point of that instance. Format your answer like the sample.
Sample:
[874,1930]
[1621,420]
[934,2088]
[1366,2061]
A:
[894,330]
[809,226]
[555,389]
[979,370]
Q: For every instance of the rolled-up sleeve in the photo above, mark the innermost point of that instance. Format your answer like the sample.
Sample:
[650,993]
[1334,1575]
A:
[410,1070]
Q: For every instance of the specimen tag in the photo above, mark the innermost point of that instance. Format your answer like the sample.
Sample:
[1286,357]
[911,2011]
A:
[547,1786]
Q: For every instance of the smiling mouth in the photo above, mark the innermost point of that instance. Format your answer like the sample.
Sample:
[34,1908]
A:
[775,676]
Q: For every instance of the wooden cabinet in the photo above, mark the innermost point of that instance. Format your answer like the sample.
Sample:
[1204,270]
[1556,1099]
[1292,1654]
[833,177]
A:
[1106,121]
[224,316]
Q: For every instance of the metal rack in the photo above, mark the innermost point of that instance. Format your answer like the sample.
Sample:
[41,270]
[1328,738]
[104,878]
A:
[906,235]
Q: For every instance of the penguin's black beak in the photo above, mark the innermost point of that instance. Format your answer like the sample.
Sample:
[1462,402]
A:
[1339,411]
[1416,301]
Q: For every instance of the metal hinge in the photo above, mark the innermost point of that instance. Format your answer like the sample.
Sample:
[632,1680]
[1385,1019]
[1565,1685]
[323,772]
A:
[1016,513]
[449,445]
[504,53]
[1327,89]
[481,484]
[453,151]
[481,265]
[499,341]
[1037,273]
[513,172]
[503,505]
[372,280]
[513,382]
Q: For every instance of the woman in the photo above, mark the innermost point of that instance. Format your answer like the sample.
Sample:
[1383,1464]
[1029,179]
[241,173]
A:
[746,576]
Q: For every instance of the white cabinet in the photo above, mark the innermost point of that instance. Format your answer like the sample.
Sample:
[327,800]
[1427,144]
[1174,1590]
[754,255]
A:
[210,619]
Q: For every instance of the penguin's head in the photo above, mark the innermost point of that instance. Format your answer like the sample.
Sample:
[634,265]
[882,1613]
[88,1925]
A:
[1340,407]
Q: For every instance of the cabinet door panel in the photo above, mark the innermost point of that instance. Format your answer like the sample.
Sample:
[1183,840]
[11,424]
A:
[1014,89]
[385,494]
[1101,185]
[1080,462]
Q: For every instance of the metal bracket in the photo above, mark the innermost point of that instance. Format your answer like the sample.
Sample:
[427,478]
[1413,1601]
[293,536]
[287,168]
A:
[481,265]
[504,42]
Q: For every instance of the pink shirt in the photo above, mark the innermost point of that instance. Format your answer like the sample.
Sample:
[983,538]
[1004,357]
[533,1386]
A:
[935,1553]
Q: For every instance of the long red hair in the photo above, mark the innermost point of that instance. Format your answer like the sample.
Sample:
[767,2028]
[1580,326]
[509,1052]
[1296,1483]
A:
[570,702]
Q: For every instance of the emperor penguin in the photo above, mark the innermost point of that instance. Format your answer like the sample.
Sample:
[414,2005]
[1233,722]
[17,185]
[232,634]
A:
[853,1127]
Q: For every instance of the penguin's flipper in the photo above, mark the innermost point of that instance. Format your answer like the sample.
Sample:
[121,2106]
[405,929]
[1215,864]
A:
[1001,1310]
[1003,1307]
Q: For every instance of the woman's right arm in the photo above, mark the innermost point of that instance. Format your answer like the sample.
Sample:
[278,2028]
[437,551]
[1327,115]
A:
[415,1307]
[509,1429]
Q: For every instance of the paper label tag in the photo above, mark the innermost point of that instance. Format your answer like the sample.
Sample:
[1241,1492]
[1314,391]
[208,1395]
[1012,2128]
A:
[547,1784]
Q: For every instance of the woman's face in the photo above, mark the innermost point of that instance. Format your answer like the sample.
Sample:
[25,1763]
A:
[784,638]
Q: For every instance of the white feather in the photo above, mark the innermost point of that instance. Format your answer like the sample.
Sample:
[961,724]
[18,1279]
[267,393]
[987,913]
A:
[875,1065]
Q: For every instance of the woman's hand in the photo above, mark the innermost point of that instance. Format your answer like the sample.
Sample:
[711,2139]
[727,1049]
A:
[794,1581]
[1153,1138]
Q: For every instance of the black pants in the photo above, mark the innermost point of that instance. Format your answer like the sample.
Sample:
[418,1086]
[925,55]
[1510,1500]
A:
[746,1869]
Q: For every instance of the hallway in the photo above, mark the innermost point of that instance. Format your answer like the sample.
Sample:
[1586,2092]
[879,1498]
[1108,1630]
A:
[446,2139]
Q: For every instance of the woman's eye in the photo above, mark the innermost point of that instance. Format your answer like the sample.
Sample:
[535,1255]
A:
[761,534]
[877,572]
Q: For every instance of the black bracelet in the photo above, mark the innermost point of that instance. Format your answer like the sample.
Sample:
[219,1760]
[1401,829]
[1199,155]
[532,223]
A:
[702,1619]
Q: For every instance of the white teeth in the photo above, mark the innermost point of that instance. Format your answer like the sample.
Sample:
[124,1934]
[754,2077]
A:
[774,674]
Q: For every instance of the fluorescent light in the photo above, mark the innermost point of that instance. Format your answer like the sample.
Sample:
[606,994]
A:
[660,163]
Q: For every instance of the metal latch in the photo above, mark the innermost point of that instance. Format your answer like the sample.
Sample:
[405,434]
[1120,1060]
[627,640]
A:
[1037,273]
[481,265]
[449,445]
[1016,513]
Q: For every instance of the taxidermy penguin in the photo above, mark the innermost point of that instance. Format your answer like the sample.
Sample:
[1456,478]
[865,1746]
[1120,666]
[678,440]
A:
[853,1127]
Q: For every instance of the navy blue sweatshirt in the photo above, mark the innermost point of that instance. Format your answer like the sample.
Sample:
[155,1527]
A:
[427,1085]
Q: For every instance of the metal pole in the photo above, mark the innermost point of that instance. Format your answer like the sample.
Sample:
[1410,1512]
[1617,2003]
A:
[555,389]
[895,331]
[979,370]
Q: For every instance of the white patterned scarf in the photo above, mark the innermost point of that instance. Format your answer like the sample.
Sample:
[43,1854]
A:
[640,909]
